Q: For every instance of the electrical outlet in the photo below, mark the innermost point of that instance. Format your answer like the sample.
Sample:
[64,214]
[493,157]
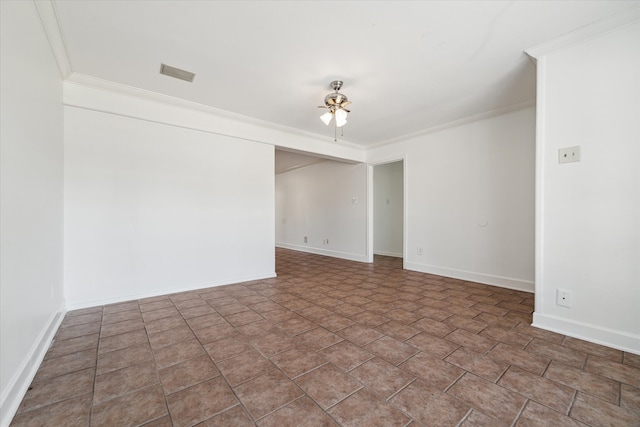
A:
[419,250]
[569,154]
[563,298]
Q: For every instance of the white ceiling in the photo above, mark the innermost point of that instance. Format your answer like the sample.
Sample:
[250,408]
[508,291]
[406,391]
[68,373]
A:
[406,66]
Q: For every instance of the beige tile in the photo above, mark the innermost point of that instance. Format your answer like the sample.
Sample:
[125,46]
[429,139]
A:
[121,316]
[359,334]
[437,347]
[328,385]
[365,409]
[176,353]
[273,343]
[121,327]
[295,362]
[300,412]
[130,409]
[435,372]
[473,341]
[185,374]
[391,350]
[345,355]
[566,355]
[625,374]
[317,339]
[227,347]
[397,330]
[267,393]
[200,402]
[596,385]
[429,405]
[593,411]
[244,367]
[549,393]
[66,364]
[491,399]
[630,398]
[234,417]
[121,341]
[124,381]
[164,323]
[594,349]
[478,419]
[43,393]
[170,336]
[631,359]
[381,377]
[511,355]
[477,363]
[73,345]
[83,319]
[72,412]
[535,415]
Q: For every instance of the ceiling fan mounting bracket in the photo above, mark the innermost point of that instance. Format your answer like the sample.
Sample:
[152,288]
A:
[336,85]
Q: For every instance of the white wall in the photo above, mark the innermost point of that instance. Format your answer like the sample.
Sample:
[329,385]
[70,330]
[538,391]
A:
[589,212]
[316,201]
[470,199]
[388,204]
[152,208]
[31,189]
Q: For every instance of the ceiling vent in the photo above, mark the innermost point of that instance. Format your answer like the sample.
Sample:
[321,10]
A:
[170,71]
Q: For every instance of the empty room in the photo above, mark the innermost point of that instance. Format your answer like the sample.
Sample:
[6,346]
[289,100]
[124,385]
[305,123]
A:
[319,213]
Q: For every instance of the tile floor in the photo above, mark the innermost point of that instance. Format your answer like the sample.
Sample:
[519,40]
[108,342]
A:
[329,342]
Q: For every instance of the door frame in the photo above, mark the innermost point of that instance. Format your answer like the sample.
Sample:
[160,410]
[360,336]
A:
[370,219]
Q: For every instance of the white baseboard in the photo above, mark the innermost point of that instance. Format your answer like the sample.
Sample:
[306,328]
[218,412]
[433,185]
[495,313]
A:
[75,305]
[393,254]
[13,394]
[326,252]
[592,333]
[487,279]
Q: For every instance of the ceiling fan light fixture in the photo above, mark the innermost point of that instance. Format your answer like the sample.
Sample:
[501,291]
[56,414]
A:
[335,104]
[326,118]
[341,117]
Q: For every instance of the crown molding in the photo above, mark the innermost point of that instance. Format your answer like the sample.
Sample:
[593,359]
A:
[49,19]
[587,32]
[458,122]
[106,85]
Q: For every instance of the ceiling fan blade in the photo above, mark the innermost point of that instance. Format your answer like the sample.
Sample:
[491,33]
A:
[345,103]
[322,106]
[331,101]
[348,111]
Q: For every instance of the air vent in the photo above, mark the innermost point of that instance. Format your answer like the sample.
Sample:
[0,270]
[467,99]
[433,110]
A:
[170,71]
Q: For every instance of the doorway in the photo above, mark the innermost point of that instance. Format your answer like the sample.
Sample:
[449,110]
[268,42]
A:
[388,209]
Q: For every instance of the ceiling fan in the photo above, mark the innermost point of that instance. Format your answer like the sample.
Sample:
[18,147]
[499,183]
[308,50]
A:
[335,103]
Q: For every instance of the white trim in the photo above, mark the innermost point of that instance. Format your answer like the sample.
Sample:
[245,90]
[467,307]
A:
[587,32]
[393,254]
[370,218]
[131,91]
[317,251]
[18,385]
[75,305]
[588,332]
[49,19]
[539,183]
[459,122]
[107,97]
[487,279]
